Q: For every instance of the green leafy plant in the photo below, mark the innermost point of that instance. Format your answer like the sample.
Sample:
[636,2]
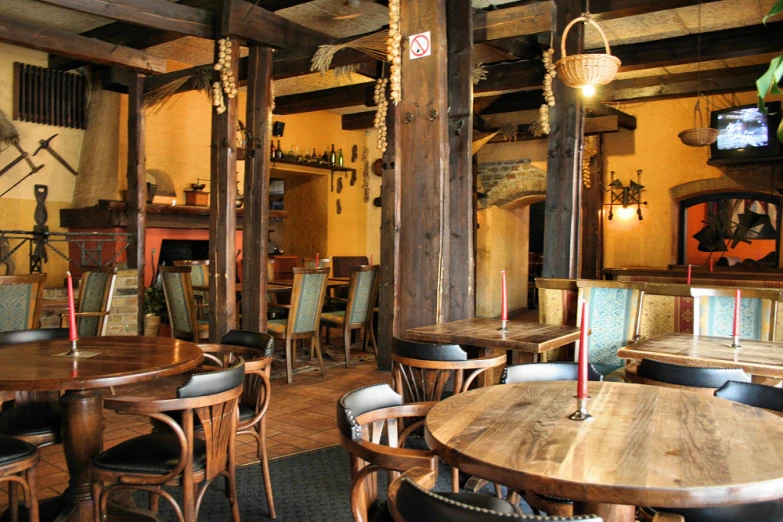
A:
[768,83]
[154,301]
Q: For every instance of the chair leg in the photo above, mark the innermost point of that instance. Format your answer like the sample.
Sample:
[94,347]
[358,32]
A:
[13,500]
[32,502]
[454,480]
[347,339]
[97,490]
[263,457]
[289,355]
[371,331]
[317,343]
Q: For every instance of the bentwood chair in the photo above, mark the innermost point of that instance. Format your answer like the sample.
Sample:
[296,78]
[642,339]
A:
[32,416]
[18,461]
[370,422]
[96,288]
[20,301]
[422,371]
[176,455]
[752,394]
[181,305]
[304,315]
[362,289]
[254,402]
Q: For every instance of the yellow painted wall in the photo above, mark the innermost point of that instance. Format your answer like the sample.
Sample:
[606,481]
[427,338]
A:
[17,207]
[502,245]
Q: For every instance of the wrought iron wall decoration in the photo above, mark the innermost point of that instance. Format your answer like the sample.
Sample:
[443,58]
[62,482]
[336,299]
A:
[626,196]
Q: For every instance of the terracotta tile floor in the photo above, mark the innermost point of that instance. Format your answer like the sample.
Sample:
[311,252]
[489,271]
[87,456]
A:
[301,416]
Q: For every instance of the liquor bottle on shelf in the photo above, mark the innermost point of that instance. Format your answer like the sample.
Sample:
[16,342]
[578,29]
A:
[340,159]
[332,156]
[279,151]
[325,157]
[314,157]
[273,150]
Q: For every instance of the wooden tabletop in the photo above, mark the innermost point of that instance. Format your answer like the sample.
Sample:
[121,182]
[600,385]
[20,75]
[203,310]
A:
[119,360]
[762,358]
[526,337]
[646,445]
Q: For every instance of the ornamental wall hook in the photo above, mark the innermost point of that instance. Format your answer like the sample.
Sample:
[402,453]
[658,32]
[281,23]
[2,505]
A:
[408,117]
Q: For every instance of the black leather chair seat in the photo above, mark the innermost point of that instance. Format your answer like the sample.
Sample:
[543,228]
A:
[246,412]
[156,453]
[480,500]
[12,449]
[32,418]
[771,511]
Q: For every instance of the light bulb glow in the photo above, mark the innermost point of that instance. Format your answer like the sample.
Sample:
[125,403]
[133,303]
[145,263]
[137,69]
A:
[625,213]
[588,90]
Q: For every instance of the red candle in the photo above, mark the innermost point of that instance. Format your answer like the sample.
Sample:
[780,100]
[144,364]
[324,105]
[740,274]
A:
[503,297]
[316,259]
[712,264]
[689,273]
[581,383]
[71,310]
[370,259]
[737,300]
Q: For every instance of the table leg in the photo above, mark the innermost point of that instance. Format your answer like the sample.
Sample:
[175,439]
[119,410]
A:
[82,430]
[608,512]
[518,357]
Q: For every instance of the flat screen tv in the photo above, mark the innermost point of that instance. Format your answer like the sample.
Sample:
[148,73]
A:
[746,132]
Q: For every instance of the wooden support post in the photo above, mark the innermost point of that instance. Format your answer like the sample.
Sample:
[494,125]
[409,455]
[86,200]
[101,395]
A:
[387,303]
[223,217]
[561,247]
[459,262]
[592,210]
[137,186]
[256,215]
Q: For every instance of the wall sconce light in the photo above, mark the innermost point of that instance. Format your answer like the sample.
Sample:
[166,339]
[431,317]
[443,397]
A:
[626,196]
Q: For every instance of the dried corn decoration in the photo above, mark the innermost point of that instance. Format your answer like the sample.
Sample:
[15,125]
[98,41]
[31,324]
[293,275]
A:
[366,170]
[380,113]
[227,84]
[589,151]
[549,95]
[394,51]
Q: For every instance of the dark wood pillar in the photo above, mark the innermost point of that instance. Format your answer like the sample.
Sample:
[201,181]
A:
[424,193]
[561,238]
[222,215]
[256,213]
[592,209]
[137,186]
[458,250]
[386,300]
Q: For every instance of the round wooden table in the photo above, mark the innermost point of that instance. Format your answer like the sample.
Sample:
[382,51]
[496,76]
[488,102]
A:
[117,360]
[645,445]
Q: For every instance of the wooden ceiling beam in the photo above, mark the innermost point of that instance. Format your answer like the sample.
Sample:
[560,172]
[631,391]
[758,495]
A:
[79,47]
[327,99]
[155,14]
[503,78]
[715,45]
[684,84]
[512,21]
[247,21]
[611,9]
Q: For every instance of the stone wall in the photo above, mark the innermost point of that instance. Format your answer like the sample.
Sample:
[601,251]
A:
[124,305]
[505,181]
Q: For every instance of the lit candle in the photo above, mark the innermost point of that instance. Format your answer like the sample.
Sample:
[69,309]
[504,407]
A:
[503,297]
[581,383]
[71,310]
[737,300]
[316,259]
[689,273]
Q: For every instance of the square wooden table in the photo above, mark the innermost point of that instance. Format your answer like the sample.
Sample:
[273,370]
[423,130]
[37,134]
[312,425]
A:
[763,360]
[526,340]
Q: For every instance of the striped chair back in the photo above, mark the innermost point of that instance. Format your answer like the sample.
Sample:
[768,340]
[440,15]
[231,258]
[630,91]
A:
[362,290]
[180,302]
[307,299]
[20,301]
[96,288]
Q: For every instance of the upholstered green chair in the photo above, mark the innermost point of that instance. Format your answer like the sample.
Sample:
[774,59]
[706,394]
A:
[556,305]
[181,305]
[20,301]
[714,308]
[304,315]
[199,276]
[612,312]
[96,288]
[357,315]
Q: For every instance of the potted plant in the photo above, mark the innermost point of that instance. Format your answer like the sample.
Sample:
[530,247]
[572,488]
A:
[154,304]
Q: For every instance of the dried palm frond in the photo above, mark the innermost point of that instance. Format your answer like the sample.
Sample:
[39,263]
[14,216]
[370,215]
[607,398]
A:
[477,144]
[202,80]
[373,45]
[156,98]
[479,73]
[345,70]
[8,133]
[509,131]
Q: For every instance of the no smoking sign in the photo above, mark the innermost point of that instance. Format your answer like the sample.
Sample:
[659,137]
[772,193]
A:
[420,45]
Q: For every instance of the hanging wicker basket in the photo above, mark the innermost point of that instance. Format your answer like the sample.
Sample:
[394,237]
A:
[580,70]
[700,136]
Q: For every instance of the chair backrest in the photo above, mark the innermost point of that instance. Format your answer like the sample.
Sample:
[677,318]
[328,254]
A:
[180,302]
[714,307]
[96,288]
[657,372]
[369,422]
[307,299]
[666,308]
[612,309]
[20,301]
[362,290]
[557,301]
[31,336]
[257,390]
[550,371]
[341,265]
[199,274]
[422,370]
[758,395]
[410,502]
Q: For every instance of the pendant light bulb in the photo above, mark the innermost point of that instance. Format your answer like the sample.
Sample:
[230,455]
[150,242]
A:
[588,91]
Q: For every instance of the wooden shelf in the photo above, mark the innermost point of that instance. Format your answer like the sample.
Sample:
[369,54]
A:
[333,168]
